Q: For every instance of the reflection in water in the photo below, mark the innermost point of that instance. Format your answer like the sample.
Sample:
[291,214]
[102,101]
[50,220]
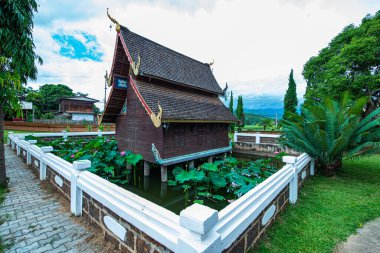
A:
[172,198]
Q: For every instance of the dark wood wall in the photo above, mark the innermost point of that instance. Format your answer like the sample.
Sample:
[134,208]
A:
[135,130]
[75,106]
[187,138]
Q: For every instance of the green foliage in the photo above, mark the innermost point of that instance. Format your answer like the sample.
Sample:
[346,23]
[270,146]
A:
[16,38]
[349,63]
[290,99]
[17,56]
[266,122]
[106,160]
[51,93]
[48,115]
[240,111]
[231,108]
[222,180]
[231,104]
[332,129]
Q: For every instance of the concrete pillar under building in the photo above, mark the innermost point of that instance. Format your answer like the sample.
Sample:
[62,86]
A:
[191,164]
[164,173]
[210,159]
[146,168]
[164,190]
[146,183]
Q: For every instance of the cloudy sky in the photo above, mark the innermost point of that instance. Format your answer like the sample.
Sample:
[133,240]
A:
[254,43]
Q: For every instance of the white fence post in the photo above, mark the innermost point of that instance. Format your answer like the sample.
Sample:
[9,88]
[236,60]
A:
[99,133]
[198,221]
[293,185]
[44,151]
[9,139]
[235,136]
[64,135]
[13,144]
[76,192]
[312,167]
[18,151]
[28,155]
[257,139]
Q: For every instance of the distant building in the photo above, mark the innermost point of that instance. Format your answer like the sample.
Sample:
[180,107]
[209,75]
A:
[77,109]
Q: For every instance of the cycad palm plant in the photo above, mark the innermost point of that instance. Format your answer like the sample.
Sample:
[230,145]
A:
[330,130]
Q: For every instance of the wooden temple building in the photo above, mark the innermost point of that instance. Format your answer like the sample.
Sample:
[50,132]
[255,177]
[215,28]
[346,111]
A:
[77,108]
[166,105]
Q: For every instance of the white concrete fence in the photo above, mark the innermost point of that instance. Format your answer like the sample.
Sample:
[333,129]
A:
[198,228]
[257,137]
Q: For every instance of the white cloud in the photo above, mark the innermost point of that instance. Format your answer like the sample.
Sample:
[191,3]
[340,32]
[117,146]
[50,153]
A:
[254,43]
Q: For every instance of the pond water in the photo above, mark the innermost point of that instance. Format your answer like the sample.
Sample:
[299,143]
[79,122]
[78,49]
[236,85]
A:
[174,198]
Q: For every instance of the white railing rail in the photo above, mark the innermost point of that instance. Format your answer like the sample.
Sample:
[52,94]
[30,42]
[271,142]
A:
[234,217]
[156,221]
[61,134]
[257,136]
[197,229]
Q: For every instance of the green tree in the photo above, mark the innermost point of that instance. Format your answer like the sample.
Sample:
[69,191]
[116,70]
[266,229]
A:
[36,98]
[231,108]
[17,59]
[351,62]
[331,129]
[51,93]
[290,99]
[240,111]
[266,122]
[231,104]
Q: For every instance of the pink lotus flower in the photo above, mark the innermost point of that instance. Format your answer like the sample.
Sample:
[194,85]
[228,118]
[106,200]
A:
[122,153]
[72,156]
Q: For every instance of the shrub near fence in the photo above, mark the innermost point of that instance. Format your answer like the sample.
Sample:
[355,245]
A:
[138,225]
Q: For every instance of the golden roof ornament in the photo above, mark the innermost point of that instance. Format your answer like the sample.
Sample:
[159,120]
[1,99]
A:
[156,119]
[114,21]
[136,66]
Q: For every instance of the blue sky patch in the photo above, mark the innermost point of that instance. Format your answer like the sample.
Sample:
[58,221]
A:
[78,45]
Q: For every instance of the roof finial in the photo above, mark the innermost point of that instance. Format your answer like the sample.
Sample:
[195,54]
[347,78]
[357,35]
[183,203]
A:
[114,21]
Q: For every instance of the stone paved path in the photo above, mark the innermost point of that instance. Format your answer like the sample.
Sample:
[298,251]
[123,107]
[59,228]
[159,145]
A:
[366,240]
[34,221]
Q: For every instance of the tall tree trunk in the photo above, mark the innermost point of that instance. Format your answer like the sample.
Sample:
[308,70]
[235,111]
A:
[3,175]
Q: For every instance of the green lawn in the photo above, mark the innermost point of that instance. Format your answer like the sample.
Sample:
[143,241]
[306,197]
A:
[328,210]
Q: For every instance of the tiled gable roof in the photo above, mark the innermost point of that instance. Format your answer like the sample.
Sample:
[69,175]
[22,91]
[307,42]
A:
[163,63]
[183,105]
